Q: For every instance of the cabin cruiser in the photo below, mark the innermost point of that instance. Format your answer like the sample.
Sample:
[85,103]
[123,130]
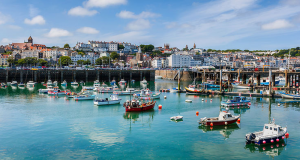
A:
[109,89]
[236,102]
[64,83]
[55,83]
[114,99]
[45,91]
[3,85]
[96,84]
[271,133]
[74,83]
[21,84]
[225,118]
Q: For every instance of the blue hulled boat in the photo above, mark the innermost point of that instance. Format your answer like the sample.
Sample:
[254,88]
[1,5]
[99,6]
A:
[236,102]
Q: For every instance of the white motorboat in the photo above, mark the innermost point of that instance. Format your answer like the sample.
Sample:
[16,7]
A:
[55,83]
[129,91]
[64,83]
[188,101]
[144,81]
[96,84]
[158,77]
[280,78]
[45,91]
[49,83]
[14,83]
[114,99]
[271,133]
[176,118]
[241,86]
[122,82]
[21,84]
[30,84]
[290,96]
[88,88]
[74,83]
[84,97]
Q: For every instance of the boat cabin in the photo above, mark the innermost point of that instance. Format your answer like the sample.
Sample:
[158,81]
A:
[238,98]
[114,97]
[271,129]
[224,115]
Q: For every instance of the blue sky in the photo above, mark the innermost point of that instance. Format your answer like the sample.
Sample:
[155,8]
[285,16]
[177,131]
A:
[217,24]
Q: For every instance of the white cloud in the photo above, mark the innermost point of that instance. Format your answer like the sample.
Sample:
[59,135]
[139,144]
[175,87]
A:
[56,32]
[14,27]
[88,30]
[278,24]
[80,11]
[3,18]
[5,41]
[103,3]
[35,20]
[139,24]
[130,15]
[291,2]
[33,11]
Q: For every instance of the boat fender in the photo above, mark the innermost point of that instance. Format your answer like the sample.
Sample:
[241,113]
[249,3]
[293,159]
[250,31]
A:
[225,123]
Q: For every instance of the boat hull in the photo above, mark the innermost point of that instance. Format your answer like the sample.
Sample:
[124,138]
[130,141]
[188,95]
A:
[235,104]
[290,96]
[189,91]
[107,102]
[219,122]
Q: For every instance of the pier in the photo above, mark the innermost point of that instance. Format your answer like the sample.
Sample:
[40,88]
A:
[75,75]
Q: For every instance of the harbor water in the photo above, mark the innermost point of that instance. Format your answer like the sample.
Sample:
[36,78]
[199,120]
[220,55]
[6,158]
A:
[38,126]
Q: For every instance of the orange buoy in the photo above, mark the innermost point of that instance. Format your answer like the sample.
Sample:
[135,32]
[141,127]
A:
[160,106]
[197,112]
[287,135]
[211,124]
[239,120]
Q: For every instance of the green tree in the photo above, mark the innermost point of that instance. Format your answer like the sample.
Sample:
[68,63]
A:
[81,53]
[105,60]
[21,62]
[98,61]
[42,62]
[147,48]
[65,60]
[114,55]
[87,62]
[31,60]
[80,62]
[197,53]
[66,45]
[121,46]
[10,60]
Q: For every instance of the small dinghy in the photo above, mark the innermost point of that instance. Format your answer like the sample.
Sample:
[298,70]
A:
[271,133]
[225,118]
[188,101]
[176,118]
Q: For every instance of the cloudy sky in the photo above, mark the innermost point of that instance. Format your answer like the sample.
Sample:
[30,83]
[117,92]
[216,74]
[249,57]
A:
[218,24]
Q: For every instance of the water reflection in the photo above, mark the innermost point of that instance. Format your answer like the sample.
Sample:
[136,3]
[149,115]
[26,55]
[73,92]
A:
[270,150]
[225,131]
[144,118]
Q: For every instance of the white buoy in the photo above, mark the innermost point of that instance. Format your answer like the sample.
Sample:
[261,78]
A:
[278,104]
[165,97]
[202,99]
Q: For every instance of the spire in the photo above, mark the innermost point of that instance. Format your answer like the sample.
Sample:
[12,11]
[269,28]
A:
[194,45]
[140,50]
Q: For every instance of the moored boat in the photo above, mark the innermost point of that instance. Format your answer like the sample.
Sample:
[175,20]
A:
[74,83]
[290,96]
[113,82]
[271,133]
[136,106]
[49,83]
[114,99]
[30,84]
[236,102]
[196,91]
[241,86]
[84,97]
[144,81]
[45,91]
[55,83]
[225,118]
[176,118]
[64,83]
[96,84]
[14,83]
[56,91]
[122,82]
[21,84]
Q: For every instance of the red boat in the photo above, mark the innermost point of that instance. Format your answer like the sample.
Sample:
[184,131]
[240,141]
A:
[225,118]
[136,106]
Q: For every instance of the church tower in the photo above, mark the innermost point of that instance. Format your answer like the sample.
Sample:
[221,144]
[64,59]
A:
[139,55]
[30,40]
[194,45]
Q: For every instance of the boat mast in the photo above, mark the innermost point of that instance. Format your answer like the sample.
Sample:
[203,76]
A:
[289,59]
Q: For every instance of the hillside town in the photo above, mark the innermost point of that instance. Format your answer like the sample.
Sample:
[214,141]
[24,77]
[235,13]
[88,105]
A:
[127,55]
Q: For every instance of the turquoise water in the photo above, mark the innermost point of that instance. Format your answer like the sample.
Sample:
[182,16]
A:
[34,126]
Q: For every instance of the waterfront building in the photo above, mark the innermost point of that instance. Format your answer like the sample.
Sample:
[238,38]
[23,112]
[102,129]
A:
[3,60]
[179,60]
[156,63]
[29,53]
[83,47]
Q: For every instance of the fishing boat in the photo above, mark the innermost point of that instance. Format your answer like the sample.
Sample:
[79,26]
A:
[122,82]
[144,81]
[64,83]
[236,102]
[49,83]
[71,94]
[21,84]
[113,82]
[81,97]
[14,83]
[109,89]
[82,83]
[135,106]
[147,94]
[271,133]
[225,118]
[176,118]
[290,96]
[74,83]
[196,91]
[57,92]
[3,85]
[114,99]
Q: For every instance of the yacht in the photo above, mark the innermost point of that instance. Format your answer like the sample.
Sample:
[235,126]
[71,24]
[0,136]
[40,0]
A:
[30,84]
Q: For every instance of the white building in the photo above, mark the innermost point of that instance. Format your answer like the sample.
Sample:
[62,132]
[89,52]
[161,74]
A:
[80,57]
[156,63]
[29,53]
[83,47]
[55,54]
[178,60]
[3,61]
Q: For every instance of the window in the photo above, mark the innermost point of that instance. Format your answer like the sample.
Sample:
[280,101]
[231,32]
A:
[275,129]
[270,128]
[266,127]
